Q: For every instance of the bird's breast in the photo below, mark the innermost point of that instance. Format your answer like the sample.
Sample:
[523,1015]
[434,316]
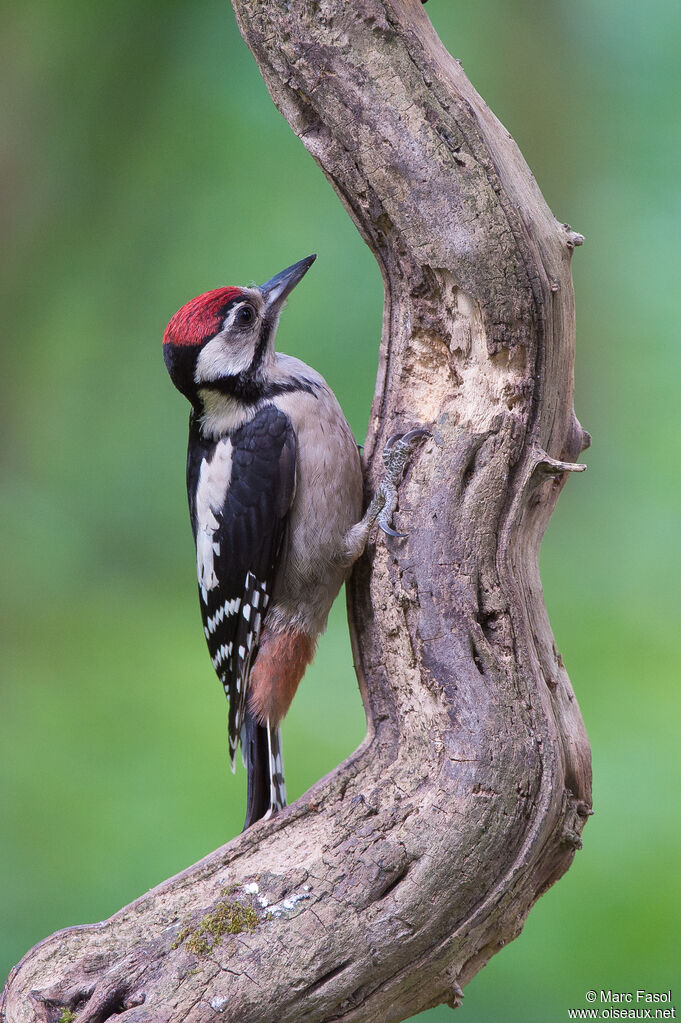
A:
[327,502]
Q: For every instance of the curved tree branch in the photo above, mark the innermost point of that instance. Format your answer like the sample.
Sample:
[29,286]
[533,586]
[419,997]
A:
[385,888]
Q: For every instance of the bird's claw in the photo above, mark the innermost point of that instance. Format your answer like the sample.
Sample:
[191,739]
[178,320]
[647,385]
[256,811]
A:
[389,531]
[395,457]
[388,492]
[398,449]
[407,438]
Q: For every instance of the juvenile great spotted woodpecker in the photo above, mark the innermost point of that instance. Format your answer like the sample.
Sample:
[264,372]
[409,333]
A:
[275,497]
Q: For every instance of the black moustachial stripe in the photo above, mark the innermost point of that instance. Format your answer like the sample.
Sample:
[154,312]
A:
[250,528]
[245,388]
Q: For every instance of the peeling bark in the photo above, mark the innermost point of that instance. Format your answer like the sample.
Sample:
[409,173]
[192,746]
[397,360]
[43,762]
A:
[384,889]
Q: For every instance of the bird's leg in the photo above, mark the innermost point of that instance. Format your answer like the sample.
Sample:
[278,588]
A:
[396,454]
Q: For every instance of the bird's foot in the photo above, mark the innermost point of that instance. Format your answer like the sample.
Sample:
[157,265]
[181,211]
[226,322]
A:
[396,454]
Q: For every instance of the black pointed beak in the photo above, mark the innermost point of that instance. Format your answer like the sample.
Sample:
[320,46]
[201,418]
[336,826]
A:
[276,290]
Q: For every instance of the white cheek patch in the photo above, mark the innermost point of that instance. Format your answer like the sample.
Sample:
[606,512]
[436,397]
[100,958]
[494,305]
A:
[223,357]
[214,479]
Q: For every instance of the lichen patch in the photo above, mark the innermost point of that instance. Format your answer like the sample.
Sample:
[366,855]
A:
[286,905]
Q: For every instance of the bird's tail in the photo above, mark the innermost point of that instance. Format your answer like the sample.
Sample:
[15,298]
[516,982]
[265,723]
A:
[261,747]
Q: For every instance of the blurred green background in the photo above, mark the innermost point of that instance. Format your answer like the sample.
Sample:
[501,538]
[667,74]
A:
[144,163]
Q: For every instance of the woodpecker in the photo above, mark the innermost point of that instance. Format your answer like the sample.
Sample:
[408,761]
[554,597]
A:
[275,491]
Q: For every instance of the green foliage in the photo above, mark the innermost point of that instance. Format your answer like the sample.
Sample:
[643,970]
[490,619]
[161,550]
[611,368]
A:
[66,1016]
[145,164]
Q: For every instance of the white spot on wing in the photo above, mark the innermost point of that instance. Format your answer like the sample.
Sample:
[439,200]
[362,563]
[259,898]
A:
[222,655]
[230,607]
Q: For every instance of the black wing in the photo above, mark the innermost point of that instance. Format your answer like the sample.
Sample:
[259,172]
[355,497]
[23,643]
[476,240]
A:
[241,489]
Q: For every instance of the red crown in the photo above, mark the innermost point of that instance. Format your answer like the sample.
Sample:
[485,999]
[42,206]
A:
[200,318]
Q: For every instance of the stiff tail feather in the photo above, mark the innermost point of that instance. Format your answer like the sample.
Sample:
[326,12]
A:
[261,748]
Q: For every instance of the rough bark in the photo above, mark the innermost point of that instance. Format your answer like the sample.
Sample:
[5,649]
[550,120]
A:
[393,881]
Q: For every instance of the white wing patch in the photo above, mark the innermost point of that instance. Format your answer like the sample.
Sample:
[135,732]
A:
[214,479]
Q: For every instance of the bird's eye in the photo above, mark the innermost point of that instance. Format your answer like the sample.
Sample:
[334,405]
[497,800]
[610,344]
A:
[245,316]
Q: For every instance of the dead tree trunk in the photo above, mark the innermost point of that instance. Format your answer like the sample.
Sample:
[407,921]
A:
[385,888]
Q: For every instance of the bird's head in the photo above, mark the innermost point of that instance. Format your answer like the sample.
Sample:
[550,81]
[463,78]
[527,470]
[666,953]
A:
[224,339]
